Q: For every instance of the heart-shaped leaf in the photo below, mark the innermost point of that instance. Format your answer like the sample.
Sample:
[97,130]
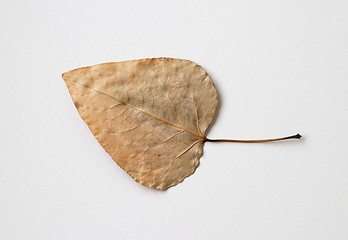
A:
[150,115]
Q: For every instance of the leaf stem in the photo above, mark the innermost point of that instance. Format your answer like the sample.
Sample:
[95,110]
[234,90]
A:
[297,136]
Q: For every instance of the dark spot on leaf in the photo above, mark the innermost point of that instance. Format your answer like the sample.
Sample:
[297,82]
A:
[77,105]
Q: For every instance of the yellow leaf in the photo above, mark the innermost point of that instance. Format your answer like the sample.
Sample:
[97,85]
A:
[150,115]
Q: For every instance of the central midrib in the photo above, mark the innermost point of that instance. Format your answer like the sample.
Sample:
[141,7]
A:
[140,110]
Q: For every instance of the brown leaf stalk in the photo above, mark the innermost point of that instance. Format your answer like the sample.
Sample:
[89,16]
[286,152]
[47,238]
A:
[297,136]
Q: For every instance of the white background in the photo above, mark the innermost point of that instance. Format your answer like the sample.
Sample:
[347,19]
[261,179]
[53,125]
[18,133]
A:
[280,67]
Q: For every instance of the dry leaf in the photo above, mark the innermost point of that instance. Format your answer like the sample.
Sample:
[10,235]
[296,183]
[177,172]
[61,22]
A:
[150,115]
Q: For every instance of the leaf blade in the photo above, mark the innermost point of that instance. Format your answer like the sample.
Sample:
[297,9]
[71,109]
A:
[142,85]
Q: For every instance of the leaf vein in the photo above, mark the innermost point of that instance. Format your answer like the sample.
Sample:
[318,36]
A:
[197,116]
[164,141]
[141,110]
[165,90]
[178,156]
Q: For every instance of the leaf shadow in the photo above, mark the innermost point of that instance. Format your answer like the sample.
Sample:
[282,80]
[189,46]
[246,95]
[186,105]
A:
[153,190]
